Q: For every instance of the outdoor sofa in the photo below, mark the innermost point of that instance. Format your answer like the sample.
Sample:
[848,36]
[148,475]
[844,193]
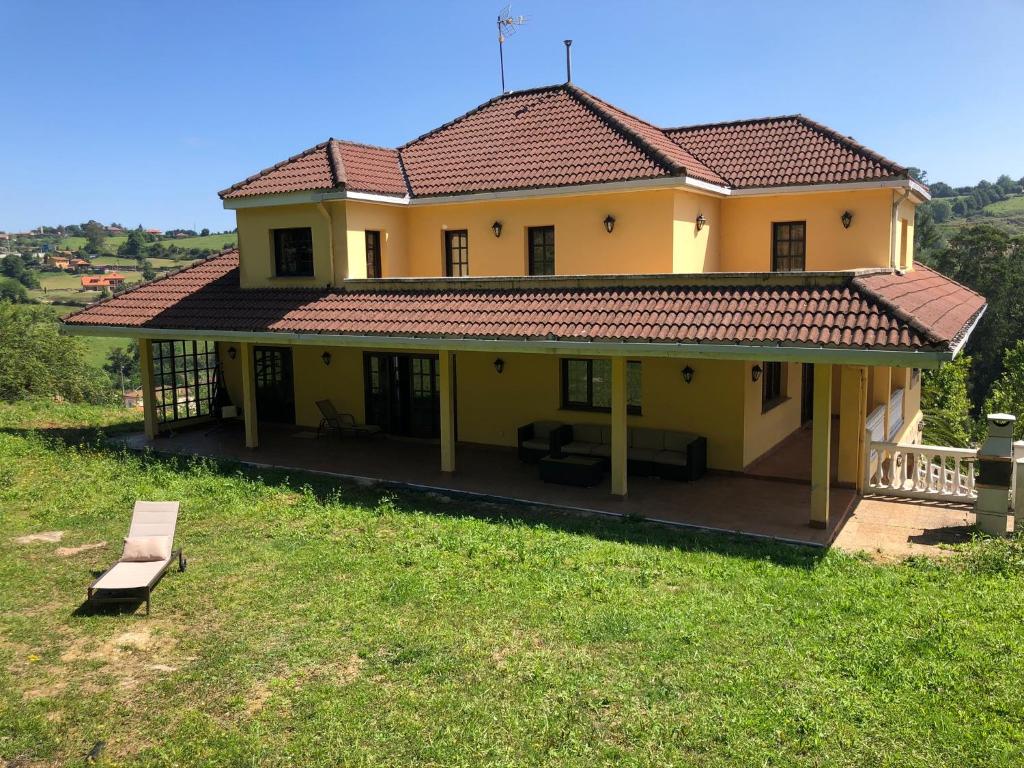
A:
[651,452]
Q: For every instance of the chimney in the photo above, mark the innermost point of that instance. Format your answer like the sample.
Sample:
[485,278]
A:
[568,61]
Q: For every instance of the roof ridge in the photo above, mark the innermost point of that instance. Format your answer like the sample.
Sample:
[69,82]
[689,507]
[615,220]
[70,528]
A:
[274,167]
[741,121]
[365,145]
[336,162]
[478,108]
[595,105]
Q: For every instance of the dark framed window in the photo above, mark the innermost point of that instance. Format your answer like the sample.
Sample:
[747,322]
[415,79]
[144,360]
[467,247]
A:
[789,246]
[373,253]
[184,379]
[456,253]
[587,385]
[541,250]
[293,252]
[772,385]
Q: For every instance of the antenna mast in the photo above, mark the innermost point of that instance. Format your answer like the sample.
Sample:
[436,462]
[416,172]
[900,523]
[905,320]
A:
[507,24]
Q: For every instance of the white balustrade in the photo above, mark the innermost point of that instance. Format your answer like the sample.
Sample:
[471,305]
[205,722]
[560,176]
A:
[921,471]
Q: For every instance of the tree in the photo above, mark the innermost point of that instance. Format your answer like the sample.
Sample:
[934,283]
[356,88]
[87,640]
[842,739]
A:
[133,246]
[205,232]
[37,361]
[941,210]
[13,291]
[941,189]
[991,262]
[959,207]
[14,268]
[148,273]
[123,366]
[1007,185]
[1007,395]
[946,405]
[927,237]
[95,236]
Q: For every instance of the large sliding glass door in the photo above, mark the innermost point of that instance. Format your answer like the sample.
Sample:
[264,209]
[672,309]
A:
[402,393]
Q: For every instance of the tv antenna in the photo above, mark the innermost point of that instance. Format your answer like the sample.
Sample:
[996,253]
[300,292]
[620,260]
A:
[507,25]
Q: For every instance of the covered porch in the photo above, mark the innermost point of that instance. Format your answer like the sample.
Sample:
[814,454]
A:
[720,501]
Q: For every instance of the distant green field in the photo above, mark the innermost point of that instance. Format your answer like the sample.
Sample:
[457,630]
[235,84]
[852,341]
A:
[216,242]
[119,261]
[110,245]
[96,347]
[1011,206]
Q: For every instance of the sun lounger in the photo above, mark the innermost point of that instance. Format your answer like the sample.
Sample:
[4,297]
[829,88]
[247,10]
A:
[342,423]
[146,557]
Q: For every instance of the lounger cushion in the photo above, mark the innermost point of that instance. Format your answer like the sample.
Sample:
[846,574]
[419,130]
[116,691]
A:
[146,549]
[130,575]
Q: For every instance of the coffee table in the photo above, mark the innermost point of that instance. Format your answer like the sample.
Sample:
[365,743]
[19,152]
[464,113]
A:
[572,470]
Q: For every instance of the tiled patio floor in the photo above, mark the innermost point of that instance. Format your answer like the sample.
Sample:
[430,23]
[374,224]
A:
[721,502]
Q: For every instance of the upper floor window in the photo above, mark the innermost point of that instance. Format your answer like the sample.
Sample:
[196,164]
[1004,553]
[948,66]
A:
[773,386]
[789,246]
[372,253]
[293,252]
[541,243]
[587,385]
[456,253]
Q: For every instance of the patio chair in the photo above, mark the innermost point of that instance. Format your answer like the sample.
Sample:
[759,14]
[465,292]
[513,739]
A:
[146,557]
[341,423]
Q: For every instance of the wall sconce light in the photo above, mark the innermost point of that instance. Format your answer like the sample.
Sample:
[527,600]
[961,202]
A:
[499,365]
[847,219]
[326,357]
[701,221]
[755,373]
[687,374]
[609,223]
[232,353]
[496,228]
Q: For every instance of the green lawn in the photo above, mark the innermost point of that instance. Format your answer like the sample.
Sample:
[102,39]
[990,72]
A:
[322,624]
[216,242]
[1011,206]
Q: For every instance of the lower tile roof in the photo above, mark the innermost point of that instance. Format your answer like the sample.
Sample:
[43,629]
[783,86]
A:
[921,310]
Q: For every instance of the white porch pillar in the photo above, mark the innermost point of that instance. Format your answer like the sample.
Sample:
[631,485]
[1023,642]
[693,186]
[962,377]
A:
[852,420]
[252,432]
[148,388]
[445,362]
[619,427]
[821,445]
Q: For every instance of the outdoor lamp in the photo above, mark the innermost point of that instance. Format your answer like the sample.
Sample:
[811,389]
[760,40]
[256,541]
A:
[326,357]
[687,374]
[701,221]
[232,352]
[499,365]
[609,223]
[496,228]
[847,219]
[755,372]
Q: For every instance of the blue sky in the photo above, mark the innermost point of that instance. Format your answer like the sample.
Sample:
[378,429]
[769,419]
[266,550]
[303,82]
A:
[140,111]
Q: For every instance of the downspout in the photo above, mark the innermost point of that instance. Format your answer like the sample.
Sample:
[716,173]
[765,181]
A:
[330,236]
[892,229]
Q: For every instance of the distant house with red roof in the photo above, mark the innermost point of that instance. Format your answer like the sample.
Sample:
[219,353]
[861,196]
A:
[99,282]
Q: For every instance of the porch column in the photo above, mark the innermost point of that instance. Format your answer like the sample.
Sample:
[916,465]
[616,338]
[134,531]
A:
[821,445]
[852,418]
[619,429]
[881,389]
[252,432]
[148,388]
[447,393]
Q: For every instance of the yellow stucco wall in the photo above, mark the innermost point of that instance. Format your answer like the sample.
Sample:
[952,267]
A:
[762,431]
[694,251]
[256,264]
[746,229]
[391,222]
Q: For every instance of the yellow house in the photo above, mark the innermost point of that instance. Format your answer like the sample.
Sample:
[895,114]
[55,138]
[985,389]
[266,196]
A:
[551,274]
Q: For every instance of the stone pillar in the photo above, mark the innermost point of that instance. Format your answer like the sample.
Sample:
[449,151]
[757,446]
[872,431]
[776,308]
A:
[252,432]
[821,445]
[619,427]
[149,415]
[446,363]
[995,475]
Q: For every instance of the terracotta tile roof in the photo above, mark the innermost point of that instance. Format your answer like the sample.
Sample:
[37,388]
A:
[777,151]
[878,312]
[332,164]
[561,135]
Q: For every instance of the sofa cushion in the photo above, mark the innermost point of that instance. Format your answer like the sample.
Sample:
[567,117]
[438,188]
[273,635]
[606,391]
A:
[648,439]
[542,429]
[601,449]
[675,458]
[578,448]
[606,434]
[677,441]
[642,454]
[537,445]
[586,433]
